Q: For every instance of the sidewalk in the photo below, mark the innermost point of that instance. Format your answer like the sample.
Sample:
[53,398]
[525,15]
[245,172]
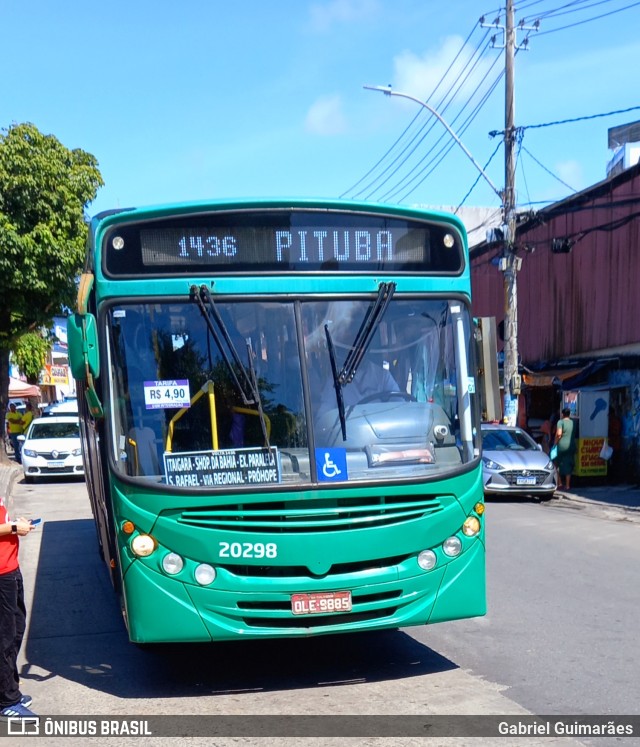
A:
[10,472]
[615,496]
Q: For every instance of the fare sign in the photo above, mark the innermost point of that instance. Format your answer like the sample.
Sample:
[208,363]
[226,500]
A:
[160,395]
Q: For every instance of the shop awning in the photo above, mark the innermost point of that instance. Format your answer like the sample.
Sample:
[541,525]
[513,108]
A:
[567,378]
[19,388]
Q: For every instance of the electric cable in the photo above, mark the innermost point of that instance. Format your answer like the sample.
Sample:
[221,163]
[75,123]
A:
[429,125]
[407,177]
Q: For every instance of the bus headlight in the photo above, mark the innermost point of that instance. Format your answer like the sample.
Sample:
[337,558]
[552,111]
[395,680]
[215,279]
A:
[172,563]
[143,545]
[427,560]
[471,526]
[205,574]
[452,546]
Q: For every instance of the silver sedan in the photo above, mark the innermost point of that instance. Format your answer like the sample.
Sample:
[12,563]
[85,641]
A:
[514,464]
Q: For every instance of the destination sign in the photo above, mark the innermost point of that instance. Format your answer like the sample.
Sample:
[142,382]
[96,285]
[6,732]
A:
[223,468]
[303,246]
[284,241]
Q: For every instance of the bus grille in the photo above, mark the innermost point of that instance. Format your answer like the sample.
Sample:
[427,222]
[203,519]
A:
[319,621]
[301,571]
[366,607]
[313,515]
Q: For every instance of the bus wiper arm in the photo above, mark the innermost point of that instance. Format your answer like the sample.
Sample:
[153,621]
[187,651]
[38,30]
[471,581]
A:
[256,394]
[336,382]
[365,333]
[201,296]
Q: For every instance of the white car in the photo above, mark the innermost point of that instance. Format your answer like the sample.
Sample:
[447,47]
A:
[51,448]
[514,464]
[68,407]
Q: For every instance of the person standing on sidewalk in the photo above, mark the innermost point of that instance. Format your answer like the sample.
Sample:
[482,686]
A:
[14,428]
[566,449]
[27,417]
[13,704]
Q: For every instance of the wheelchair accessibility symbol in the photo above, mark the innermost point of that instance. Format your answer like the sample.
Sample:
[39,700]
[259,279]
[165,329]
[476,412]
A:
[332,465]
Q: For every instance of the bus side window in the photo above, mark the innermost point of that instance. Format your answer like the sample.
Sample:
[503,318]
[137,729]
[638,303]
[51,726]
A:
[142,452]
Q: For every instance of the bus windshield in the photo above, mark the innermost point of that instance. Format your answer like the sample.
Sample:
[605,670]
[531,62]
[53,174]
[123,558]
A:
[240,393]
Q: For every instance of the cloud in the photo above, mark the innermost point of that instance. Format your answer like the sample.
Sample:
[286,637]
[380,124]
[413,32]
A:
[419,75]
[571,173]
[325,117]
[326,15]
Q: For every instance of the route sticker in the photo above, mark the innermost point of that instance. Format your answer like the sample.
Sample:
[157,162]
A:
[204,469]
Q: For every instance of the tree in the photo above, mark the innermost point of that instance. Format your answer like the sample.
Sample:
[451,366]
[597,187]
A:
[44,189]
[30,353]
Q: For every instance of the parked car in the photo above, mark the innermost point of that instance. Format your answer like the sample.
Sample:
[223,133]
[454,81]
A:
[51,448]
[513,463]
[67,407]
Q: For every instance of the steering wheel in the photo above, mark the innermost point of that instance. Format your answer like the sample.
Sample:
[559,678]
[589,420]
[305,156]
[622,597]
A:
[387,396]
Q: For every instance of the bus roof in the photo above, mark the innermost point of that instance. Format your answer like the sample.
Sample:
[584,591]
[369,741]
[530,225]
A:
[126,215]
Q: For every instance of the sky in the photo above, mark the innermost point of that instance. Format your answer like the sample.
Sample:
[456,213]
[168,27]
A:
[209,99]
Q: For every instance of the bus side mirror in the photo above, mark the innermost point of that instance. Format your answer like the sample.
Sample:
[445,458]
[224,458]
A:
[82,340]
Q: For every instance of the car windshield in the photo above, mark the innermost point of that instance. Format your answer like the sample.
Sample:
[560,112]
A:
[237,392]
[55,430]
[503,440]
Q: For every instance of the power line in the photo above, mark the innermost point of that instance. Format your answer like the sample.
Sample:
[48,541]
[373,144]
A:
[430,167]
[408,179]
[588,20]
[397,158]
[542,166]
[473,186]
[429,125]
[406,130]
[576,119]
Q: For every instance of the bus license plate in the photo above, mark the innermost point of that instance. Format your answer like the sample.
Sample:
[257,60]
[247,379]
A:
[321,603]
[525,481]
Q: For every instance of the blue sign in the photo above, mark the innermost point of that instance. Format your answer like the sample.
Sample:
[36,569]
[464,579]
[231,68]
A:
[332,465]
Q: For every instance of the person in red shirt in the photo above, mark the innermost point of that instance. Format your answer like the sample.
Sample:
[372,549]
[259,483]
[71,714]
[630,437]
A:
[13,704]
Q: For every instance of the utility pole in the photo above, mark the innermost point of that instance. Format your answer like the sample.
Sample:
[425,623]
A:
[510,263]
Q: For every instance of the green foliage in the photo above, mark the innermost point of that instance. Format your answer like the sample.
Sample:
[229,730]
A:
[30,353]
[44,189]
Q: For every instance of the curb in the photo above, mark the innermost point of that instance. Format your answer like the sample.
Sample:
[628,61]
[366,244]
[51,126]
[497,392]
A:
[9,473]
[584,501]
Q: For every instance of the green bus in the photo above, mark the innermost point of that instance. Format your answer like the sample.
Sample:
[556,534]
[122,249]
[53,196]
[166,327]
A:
[279,417]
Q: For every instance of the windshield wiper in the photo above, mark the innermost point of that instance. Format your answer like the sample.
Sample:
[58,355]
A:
[357,351]
[336,382]
[256,394]
[202,295]
[365,334]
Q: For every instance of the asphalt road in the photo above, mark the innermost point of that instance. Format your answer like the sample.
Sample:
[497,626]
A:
[563,594]
[558,638]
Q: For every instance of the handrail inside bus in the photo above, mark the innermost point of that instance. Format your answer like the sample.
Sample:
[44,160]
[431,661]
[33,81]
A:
[207,388]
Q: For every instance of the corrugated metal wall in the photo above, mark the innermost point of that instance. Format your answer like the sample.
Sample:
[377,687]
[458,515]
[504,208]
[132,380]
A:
[581,302]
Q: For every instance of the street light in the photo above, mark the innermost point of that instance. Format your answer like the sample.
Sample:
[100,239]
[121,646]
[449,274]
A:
[509,263]
[388,91]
